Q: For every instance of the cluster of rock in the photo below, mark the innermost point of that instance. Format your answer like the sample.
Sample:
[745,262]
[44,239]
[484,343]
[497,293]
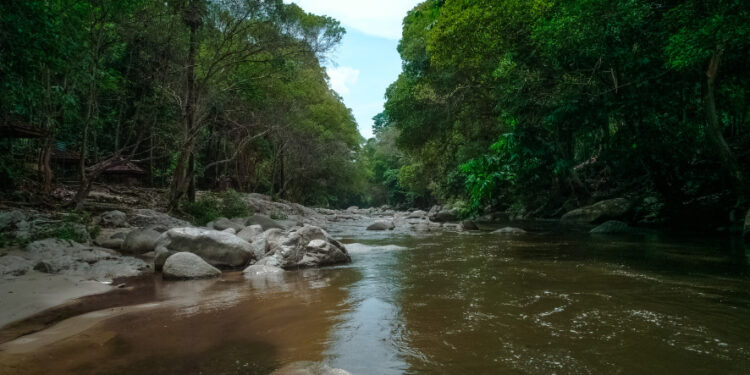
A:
[178,249]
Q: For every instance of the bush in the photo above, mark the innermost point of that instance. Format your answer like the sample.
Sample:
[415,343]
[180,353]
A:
[211,206]
[232,204]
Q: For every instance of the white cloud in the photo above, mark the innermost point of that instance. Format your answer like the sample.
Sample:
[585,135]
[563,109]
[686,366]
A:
[341,78]
[374,17]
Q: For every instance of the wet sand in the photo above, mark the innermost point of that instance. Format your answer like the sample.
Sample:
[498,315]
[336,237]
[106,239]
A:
[34,292]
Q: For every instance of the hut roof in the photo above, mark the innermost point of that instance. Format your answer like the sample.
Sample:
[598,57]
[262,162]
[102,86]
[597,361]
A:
[118,166]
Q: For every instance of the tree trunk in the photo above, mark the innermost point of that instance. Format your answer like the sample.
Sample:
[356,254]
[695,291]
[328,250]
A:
[44,166]
[714,131]
[182,173]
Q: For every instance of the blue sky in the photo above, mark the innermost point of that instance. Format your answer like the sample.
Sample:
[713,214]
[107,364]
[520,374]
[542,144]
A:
[366,62]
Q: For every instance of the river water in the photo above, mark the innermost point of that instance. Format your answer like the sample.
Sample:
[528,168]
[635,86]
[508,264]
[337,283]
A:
[548,302]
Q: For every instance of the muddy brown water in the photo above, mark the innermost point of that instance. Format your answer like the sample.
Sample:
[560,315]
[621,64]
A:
[478,303]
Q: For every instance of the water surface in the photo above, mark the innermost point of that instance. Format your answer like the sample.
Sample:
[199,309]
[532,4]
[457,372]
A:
[448,303]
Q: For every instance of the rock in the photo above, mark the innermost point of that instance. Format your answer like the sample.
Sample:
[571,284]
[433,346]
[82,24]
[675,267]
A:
[47,228]
[612,227]
[113,219]
[510,230]
[230,231]
[271,261]
[308,246]
[112,243]
[70,258]
[219,249]
[469,225]
[250,233]
[264,221]
[381,225]
[140,241]
[185,266]
[223,223]
[352,208]
[418,214]
[158,221]
[11,265]
[261,270]
[8,219]
[440,214]
[598,212]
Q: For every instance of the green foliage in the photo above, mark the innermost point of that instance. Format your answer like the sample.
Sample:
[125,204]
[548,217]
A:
[589,99]
[205,209]
[211,206]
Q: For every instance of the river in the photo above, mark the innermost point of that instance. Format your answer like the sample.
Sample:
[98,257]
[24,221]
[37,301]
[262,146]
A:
[548,302]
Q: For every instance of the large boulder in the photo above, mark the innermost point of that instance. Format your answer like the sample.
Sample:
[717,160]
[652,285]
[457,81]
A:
[185,266]
[250,233]
[381,225]
[308,246]
[598,212]
[113,219]
[158,221]
[140,241]
[264,221]
[220,249]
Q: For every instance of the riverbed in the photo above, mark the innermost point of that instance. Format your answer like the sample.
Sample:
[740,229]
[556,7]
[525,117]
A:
[550,301]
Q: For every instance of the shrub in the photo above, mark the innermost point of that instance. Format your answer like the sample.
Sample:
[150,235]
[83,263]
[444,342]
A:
[211,206]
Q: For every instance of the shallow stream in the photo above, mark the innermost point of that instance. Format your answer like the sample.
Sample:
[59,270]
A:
[546,302]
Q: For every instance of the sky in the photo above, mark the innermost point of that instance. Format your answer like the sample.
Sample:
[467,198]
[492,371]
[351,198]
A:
[366,62]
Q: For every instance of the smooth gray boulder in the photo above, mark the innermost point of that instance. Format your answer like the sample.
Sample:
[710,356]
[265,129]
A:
[187,266]
[264,221]
[140,241]
[613,227]
[381,225]
[510,230]
[309,368]
[598,212]
[113,219]
[304,247]
[250,233]
[220,249]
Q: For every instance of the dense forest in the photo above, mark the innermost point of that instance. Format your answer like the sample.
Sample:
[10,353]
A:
[538,107]
[194,94]
[529,107]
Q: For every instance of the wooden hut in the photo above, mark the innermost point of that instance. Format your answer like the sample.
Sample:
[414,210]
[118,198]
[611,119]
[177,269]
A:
[120,171]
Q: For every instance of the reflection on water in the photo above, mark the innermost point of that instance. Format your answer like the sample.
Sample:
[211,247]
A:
[451,303]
